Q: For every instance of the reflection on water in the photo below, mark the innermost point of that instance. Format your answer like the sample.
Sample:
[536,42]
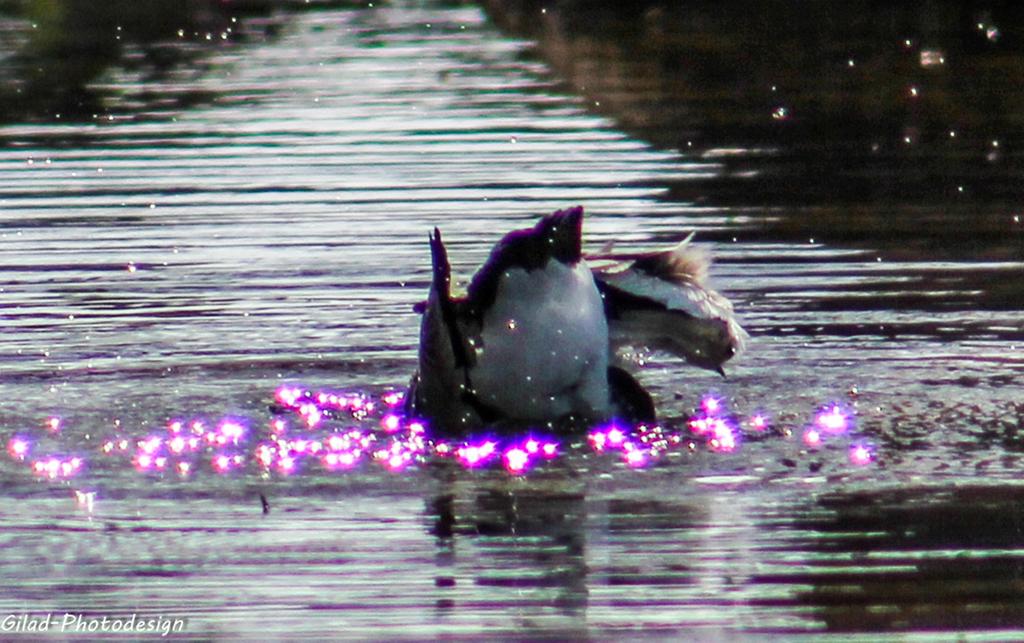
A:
[185,257]
[56,53]
[920,559]
[804,103]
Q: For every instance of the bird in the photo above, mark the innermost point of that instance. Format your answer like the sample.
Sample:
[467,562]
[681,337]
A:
[532,341]
[661,300]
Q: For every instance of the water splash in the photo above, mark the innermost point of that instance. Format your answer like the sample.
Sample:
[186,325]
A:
[341,431]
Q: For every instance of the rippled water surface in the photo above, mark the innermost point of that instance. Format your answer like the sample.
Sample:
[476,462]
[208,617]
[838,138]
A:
[219,230]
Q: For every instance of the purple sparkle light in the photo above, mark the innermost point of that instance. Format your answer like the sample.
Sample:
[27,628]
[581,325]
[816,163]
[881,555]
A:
[711,404]
[53,423]
[151,444]
[833,419]
[265,455]
[391,422]
[338,443]
[516,460]
[288,395]
[175,427]
[55,467]
[18,447]
[759,422]
[177,444]
[393,398]
[286,464]
[701,425]
[861,454]
[475,455]
[143,462]
[398,461]
[311,414]
[635,457]
[184,468]
[723,438]
[231,430]
[812,437]
[221,463]
[342,460]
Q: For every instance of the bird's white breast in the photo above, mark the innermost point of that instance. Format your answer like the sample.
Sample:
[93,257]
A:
[544,349]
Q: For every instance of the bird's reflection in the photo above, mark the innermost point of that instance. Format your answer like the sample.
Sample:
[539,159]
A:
[517,542]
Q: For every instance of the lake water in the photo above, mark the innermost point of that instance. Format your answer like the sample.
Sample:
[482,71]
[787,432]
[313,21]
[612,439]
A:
[258,217]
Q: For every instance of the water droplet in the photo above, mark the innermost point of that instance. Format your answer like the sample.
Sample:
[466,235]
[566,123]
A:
[513,139]
[931,58]
[780,113]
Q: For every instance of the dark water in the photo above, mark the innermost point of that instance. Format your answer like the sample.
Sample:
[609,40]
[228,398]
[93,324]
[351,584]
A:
[253,210]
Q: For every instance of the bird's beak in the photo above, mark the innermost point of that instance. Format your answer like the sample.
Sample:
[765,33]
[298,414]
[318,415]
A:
[720,371]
